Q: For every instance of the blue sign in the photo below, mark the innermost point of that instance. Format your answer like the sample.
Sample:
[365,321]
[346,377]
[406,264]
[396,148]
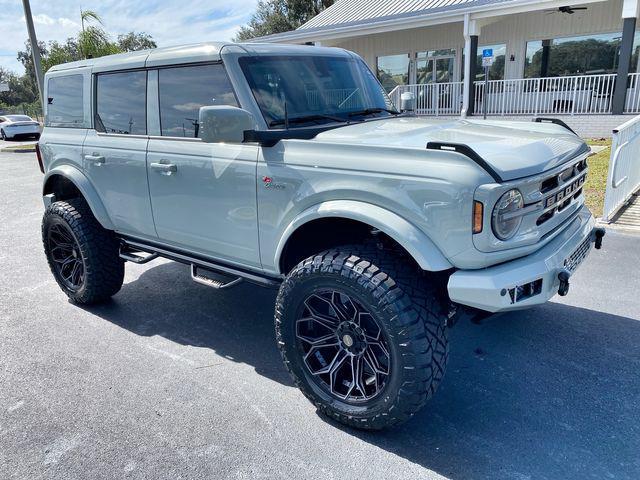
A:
[487,52]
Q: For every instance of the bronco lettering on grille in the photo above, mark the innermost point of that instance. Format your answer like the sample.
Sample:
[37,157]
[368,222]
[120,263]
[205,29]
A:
[565,192]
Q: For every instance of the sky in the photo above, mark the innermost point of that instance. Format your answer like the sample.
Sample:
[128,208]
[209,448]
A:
[170,22]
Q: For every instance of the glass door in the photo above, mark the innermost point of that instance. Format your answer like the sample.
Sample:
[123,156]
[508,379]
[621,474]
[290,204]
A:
[443,69]
[433,68]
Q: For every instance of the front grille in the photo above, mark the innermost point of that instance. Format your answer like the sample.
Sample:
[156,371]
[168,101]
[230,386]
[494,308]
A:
[561,189]
[578,255]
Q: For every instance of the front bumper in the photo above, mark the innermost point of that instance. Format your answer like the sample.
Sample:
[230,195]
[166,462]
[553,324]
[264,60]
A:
[530,280]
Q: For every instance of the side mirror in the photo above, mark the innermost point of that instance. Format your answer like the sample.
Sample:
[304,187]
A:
[223,124]
[407,102]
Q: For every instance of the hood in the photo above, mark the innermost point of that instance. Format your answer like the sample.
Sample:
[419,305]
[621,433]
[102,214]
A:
[512,149]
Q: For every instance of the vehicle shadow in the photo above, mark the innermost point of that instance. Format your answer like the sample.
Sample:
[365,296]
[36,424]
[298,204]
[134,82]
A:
[552,392]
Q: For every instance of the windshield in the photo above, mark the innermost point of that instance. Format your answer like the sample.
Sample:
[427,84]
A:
[19,118]
[314,89]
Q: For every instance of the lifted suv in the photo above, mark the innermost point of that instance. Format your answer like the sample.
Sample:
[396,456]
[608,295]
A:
[289,167]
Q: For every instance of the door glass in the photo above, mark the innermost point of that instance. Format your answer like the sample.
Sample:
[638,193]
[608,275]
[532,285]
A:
[121,103]
[183,90]
[435,66]
[444,70]
[424,70]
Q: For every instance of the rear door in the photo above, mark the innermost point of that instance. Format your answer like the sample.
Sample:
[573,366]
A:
[115,150]
[203,194]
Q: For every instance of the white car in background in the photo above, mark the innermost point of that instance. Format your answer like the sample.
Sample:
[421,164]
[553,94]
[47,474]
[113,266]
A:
[12,126]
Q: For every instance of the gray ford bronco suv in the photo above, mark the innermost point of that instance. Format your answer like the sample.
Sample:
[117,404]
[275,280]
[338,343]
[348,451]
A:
[289,167]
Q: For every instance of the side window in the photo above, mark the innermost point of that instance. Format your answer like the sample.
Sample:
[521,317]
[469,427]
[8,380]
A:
[183,90]
[65,102]
[121,103]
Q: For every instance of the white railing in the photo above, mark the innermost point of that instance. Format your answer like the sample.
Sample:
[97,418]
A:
[624,167]
[432,98]
[575,95]
[586,94]
[632,104]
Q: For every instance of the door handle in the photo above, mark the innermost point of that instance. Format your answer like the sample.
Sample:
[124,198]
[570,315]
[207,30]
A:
[164,168]
[96,158]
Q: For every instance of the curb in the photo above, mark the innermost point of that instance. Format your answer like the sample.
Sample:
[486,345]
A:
[18,150]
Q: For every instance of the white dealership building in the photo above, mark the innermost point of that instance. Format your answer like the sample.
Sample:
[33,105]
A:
[577,62]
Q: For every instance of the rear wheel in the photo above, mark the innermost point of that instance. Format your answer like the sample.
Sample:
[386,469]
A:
[3,135]
[83,256]
[363,335]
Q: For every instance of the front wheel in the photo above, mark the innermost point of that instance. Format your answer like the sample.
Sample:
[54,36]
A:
[363,335]
[83,256]
[3,135]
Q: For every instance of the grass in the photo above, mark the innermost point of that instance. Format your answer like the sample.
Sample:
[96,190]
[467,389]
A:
[19,148]
[597,178]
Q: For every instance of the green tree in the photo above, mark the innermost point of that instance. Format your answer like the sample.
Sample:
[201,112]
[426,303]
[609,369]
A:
[90,42]
[276,16]
[131,42]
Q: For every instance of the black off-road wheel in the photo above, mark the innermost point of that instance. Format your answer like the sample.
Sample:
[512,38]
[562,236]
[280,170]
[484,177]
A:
[363,334]
[83,256]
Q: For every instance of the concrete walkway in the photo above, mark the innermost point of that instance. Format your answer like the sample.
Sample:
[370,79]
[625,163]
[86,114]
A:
[629,216]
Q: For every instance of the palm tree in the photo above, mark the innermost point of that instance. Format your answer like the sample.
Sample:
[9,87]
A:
[88,15]
[93,41]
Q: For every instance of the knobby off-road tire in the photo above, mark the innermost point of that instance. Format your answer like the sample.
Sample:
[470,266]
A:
[71,234]
[409,311]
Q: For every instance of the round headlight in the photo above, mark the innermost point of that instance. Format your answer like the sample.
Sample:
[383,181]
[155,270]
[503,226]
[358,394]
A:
[504,223]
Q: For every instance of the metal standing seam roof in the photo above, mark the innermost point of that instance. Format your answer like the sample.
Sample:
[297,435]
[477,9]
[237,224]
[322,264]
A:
[347,12]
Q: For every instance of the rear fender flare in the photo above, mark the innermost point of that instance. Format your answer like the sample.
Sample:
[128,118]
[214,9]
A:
[86,188]
[414,241]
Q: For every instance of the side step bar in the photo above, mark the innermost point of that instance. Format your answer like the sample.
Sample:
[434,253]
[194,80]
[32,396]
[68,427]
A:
[217,283]
[132,249]
[130,256]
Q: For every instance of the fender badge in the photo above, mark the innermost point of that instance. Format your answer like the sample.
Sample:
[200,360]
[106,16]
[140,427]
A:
[269,183]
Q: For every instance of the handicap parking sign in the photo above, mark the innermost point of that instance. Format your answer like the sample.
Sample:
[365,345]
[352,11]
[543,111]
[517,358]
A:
[487,52]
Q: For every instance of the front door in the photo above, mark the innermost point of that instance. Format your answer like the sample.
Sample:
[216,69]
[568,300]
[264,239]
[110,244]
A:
[203,195]
[432,70]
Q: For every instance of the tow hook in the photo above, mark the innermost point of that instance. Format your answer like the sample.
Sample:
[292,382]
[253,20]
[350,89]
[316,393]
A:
[598,233]
[563,289]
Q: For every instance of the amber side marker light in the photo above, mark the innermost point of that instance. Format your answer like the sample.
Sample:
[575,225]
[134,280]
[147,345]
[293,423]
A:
[478,211]
[39,156]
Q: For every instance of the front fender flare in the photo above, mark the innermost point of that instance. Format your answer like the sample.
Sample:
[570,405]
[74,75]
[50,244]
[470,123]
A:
[87,190]
[414,241]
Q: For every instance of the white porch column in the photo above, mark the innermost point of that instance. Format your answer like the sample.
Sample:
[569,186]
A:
[629,14]
[471,32]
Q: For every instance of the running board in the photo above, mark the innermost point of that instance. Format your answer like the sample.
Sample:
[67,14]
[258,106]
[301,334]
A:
[207,264]
[217,283]
[129,255]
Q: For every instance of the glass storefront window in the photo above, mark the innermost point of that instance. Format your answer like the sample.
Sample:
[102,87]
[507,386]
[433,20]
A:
[496,71]
[393,70]
[582,55]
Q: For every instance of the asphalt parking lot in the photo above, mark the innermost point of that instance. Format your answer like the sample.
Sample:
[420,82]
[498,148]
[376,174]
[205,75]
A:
[172,379]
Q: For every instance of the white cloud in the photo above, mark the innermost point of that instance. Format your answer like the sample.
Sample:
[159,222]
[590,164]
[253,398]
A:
[43,19]
[170,22]
[67,23]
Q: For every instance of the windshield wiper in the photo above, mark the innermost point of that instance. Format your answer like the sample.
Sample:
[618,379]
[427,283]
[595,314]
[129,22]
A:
[307,118]
[371,111]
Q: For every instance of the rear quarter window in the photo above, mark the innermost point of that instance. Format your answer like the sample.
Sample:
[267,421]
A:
[65,100]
